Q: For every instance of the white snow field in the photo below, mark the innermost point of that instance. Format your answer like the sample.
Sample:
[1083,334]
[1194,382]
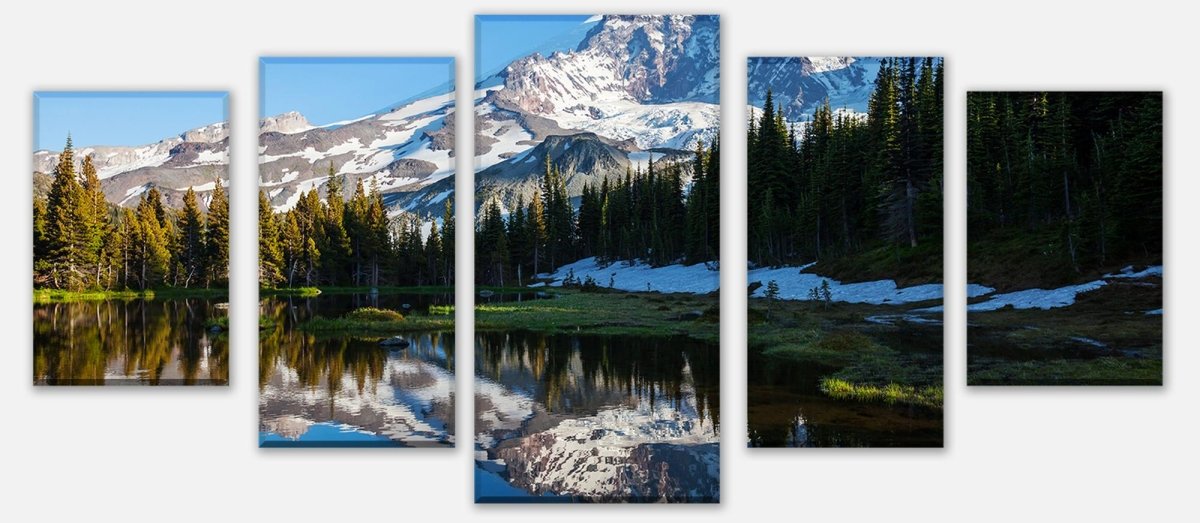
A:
[695,279]
[795,284]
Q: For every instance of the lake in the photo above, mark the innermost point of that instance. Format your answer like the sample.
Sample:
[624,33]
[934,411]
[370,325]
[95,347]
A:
[575,418]
[345,390]
[788,409]
[129,342]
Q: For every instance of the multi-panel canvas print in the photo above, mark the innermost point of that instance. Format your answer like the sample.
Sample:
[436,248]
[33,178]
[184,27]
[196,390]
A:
[1064,238]
[845,250]
[596,258]
[356,252]
[130,238]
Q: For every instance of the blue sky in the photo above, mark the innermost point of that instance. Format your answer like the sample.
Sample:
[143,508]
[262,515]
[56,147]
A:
[121,117]
[328,90]
[499,39]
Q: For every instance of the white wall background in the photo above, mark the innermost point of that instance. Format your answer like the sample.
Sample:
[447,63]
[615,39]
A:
[190,454]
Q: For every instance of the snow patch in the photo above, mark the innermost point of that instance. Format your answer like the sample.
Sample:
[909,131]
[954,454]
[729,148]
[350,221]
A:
[695,279]
[795,284]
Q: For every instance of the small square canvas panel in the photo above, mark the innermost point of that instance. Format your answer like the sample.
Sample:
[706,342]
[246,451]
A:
[845,251]
[356,252]
[597,249]
[1064,238]
[130,238]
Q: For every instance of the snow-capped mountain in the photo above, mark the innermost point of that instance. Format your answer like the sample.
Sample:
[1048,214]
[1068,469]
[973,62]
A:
[195,158]
[404,149]
[801,84]
[635,84]
[643,59]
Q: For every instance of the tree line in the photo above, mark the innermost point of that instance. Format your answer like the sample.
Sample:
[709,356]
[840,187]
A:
[649,216]
[1083,168]
[841,183]
[81,242]
[351,242]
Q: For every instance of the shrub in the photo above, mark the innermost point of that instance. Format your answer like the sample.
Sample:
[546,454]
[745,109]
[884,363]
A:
[374,314]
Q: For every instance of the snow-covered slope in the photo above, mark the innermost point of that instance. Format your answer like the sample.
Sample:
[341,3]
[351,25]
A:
[195,158]
[403,150]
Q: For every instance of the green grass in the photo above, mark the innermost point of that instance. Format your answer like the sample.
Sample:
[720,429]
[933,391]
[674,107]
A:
[370,320]
[372,314]
[290,291]
[615,313]
[891,394]
[857,360]
[264,322]
[410,324]
[316,291]
[570,311]
[59,295]
[1098,371]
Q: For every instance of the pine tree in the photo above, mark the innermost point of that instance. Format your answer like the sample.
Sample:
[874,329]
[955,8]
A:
[39,241]
[335,249]
[152,241]
[448,241]
[92,224]
[270,257]
[62,240]
[217,237]
[538,232]
[191,241]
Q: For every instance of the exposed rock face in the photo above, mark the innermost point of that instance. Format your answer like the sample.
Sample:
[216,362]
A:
[217,132]
[286,123]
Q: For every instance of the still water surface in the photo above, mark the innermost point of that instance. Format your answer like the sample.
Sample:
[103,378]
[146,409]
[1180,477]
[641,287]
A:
[343,390]
[595,418]
[130,342]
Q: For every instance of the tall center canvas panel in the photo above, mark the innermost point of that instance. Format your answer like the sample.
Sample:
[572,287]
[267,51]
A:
[845,249]
[597,172]
[356,252]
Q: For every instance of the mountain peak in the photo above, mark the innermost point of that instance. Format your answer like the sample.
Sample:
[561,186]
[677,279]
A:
[286,123]
[629,58]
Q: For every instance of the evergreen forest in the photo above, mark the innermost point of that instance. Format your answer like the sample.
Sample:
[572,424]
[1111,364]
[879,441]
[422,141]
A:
[83,243]
[656,216]
[352,242]
[861,194]
[1062,185]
